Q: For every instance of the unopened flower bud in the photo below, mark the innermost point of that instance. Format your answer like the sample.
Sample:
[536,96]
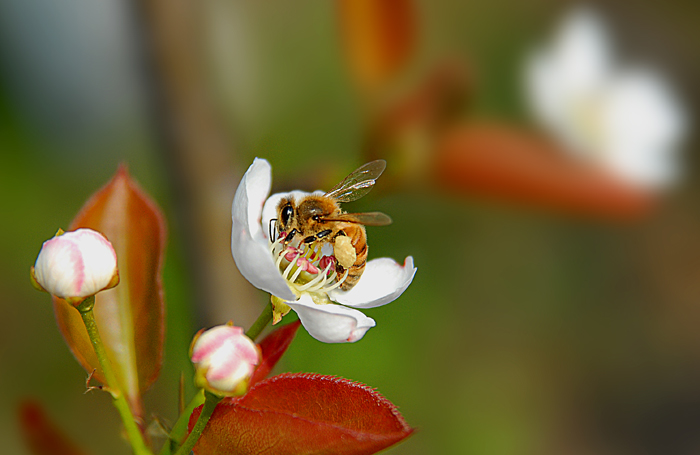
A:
[224,359]
[75,265]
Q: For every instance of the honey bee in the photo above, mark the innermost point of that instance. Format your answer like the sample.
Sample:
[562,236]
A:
[319,218]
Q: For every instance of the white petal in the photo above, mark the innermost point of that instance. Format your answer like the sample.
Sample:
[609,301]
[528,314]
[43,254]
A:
[543,90]
[248,243]
[580,52]
[564,81]
[383,281]
[575,64]
[76,264]
[331,323]
[644,126]
[99,260]
[226,378]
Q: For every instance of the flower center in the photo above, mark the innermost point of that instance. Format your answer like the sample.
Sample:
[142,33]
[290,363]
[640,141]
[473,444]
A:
[307,267]
[587,115]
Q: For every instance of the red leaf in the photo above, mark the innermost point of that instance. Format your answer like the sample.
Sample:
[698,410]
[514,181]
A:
[501,162]
[131,316]
[272,347]
[41,435]
[303,414]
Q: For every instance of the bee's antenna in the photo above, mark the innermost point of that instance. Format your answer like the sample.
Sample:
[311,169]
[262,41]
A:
[290,236]
[270,228]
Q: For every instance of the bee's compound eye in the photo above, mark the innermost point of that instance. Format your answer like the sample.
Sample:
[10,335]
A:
[286,214]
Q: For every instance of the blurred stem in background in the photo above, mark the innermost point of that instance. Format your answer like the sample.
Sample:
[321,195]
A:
[196,151]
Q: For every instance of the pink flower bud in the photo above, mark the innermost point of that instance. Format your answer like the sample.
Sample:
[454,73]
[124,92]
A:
[76,264]
[224,359]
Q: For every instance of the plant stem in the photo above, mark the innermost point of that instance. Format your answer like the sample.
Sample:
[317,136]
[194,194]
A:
[133,431]
[180,427]
[210,402]
[262,321]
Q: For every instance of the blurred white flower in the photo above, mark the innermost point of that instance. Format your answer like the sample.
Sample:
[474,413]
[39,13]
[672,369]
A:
[624,118]
[307,290]
[225,359]
[75,265]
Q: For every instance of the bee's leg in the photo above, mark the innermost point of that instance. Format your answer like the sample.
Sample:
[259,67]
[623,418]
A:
[344,251]
[319,236]
[323,234]
[290,236]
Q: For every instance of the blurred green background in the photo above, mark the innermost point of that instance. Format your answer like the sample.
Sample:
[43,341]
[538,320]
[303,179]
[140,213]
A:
[524,331]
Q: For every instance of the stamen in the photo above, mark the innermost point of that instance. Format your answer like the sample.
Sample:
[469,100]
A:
[320,285]
[317,252]
[312,283]
[308,251]
[345,275]
[311,268]
[279,258]
[307,258]
[291,253]
[289,268]
[296,273]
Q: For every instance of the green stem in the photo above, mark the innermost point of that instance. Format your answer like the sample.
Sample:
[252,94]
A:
[180,427]
[210,402]
[262,321]
[133,431]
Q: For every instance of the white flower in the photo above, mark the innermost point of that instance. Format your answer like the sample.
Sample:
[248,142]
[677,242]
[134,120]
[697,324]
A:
[623,118]
[75,265]
[225,359]
[310,294]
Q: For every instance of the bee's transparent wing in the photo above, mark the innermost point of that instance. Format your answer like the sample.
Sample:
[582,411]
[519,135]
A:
[367,219]
[358,183]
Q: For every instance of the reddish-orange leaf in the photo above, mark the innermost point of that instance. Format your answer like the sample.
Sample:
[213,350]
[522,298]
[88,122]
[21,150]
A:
[379,37]
[131,316]
[272,347]
[303,414]
[502,162]
[41,435]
